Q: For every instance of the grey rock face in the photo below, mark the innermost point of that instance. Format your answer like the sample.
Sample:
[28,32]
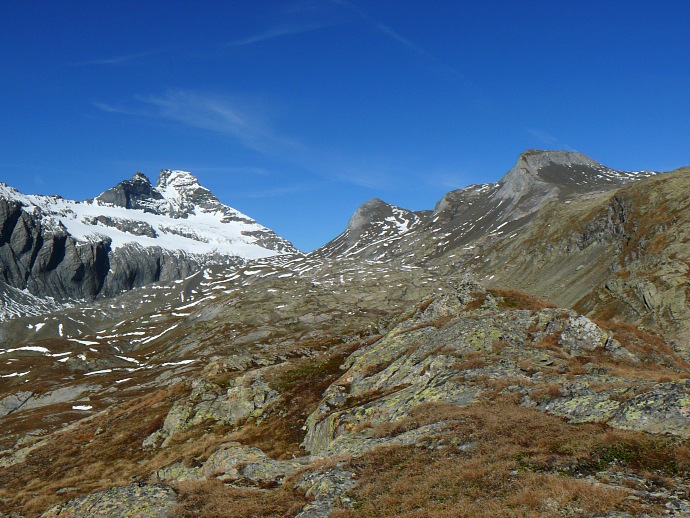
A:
[14,402]
[48,261]
[54,264]
[136,193]
[24,400]
[539,176]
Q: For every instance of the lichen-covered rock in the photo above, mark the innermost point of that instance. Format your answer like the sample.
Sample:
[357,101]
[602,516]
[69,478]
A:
[358,443]
[581,335]
[585,408]
[176,472]
[248,396]
[664,409]
[234,461]
[392,407]
[328,488]
[138,500]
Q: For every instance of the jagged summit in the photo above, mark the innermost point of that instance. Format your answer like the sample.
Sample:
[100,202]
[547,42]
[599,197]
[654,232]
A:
[135,193]
[177,194]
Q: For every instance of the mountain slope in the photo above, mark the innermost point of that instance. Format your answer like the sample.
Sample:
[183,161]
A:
[376,375]
[619,253]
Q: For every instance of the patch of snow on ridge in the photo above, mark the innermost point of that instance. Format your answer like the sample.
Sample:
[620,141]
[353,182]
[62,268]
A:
[403,226]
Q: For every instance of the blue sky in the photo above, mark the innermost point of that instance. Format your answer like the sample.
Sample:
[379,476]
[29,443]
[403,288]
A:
[296,112]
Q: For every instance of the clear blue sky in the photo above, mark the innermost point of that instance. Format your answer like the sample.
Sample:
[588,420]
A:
[296,112]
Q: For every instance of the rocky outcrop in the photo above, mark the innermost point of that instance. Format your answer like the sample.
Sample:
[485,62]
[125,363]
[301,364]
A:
[248,396]
[663,409]
[237,464]
[440,354]
[145,501]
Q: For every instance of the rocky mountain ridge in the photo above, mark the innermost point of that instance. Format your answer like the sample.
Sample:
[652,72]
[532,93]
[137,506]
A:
[466,216]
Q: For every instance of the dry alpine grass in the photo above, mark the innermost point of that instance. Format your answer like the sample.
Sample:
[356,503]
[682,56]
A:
[213,499]
[95,454]
[518,462]
[513,299]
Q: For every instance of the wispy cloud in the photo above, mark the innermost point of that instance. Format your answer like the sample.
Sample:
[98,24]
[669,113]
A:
[548,140]
[123,59]
[276,32]
[395,35]
[218,114]
[293,18]
[240,121]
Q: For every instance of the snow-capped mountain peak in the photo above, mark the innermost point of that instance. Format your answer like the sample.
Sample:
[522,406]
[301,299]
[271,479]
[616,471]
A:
[129,235]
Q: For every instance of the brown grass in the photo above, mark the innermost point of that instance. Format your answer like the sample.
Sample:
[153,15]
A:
[551,342]
[212,499]
[546,392]
[470,360]
[521,464]
[512,299]
[477,302]
[645,344]
[80,457]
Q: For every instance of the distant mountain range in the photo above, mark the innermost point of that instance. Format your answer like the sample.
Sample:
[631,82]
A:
[54,251]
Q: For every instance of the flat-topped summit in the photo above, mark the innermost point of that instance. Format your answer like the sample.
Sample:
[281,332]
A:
[534,159]
[569,170]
